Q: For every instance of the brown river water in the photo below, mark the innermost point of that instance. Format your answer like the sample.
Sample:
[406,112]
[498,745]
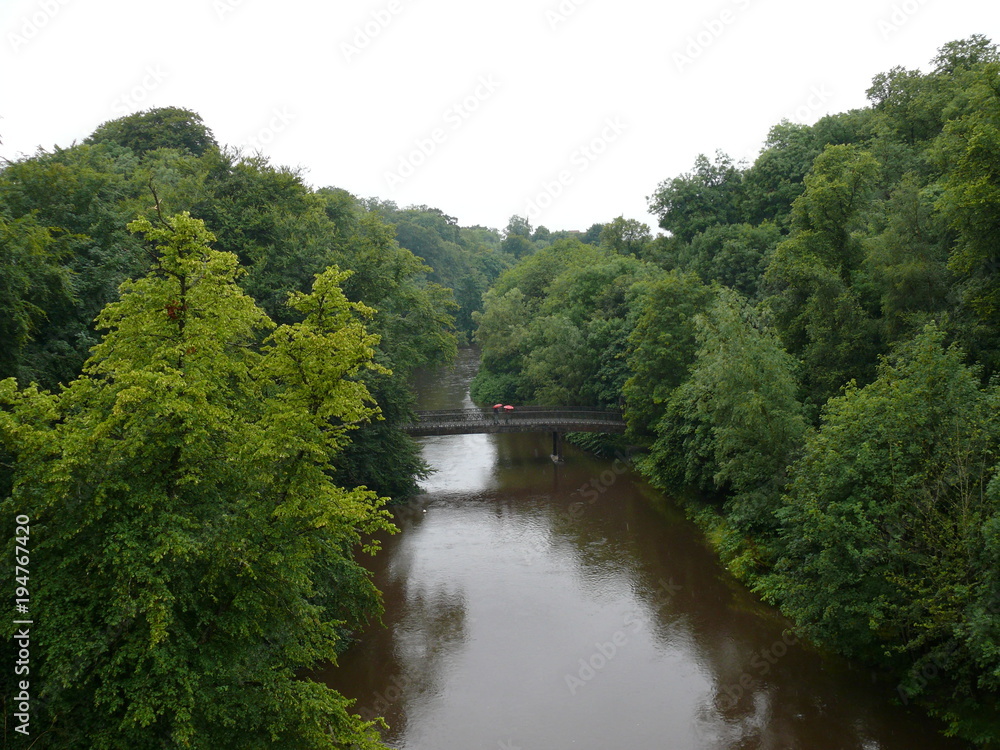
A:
[535,606]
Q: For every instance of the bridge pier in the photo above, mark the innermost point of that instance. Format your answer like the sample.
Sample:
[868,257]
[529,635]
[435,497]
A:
[557,453]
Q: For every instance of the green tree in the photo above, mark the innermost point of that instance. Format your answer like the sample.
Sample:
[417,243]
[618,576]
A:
[815,308]
[554,327]
[777,176]
[502,333]
[888,514]
[166,127]
[198,553]
[735,423]
[969,149]
[829,213]
[83,197]
[905,266]
[735,255]
[626,237]
[661,345]
[593,234]
[33,284]
[695,201]
[964,54]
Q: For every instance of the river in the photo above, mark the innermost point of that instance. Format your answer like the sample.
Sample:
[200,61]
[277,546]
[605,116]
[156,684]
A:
[534,606]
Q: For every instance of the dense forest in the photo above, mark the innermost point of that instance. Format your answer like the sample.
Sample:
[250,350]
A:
[198,351]
[808,356]
[205,364]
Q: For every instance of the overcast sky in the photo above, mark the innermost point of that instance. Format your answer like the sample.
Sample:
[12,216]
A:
[570,111]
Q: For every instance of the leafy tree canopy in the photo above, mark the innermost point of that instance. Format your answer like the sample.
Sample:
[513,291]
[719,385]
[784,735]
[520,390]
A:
[165,127]
[200,552]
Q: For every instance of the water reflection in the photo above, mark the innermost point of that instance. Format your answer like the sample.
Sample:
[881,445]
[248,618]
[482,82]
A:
[473,475]
[520,614]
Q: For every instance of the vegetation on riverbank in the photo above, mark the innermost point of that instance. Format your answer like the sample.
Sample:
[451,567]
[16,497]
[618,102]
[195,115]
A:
[199,415]
[813,346]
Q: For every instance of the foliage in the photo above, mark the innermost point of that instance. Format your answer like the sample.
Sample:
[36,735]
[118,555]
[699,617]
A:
[553,328]
[735,423]
[661,345]
[68,210]
[167,127]
[464,259]
[734,255]
[970,200]
[889,514]
[836,300]
[33,284]
[695,201]
[626,237]
[180,492]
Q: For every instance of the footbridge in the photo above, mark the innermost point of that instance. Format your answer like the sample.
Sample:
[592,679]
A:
[556,420]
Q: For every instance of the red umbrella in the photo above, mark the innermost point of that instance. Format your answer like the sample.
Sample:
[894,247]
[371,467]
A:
[497,406]
[508,407]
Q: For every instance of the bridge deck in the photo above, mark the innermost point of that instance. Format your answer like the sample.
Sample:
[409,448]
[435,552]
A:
[521,419]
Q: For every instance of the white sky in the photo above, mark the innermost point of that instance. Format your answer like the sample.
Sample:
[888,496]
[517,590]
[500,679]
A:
[577,107]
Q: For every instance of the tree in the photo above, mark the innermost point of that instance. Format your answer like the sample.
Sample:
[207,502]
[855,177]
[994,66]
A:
[735,255]
[198,553]
[553,328]
[695,201]
[286,234]
[626,237]
[905,105]
[166,127]
[890,515]
[963,54]
[33,284]
[518,226]
[828,211]
[816,309]
[502,333]
[970,148]
[775,180]
[906,265]
[558,368]
[661,345]
[593,234]
[735,423]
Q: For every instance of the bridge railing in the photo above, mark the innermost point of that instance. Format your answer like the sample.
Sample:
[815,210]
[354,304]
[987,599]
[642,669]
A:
[533,414]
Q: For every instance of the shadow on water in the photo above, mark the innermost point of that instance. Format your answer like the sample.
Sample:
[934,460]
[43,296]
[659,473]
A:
[539,606]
